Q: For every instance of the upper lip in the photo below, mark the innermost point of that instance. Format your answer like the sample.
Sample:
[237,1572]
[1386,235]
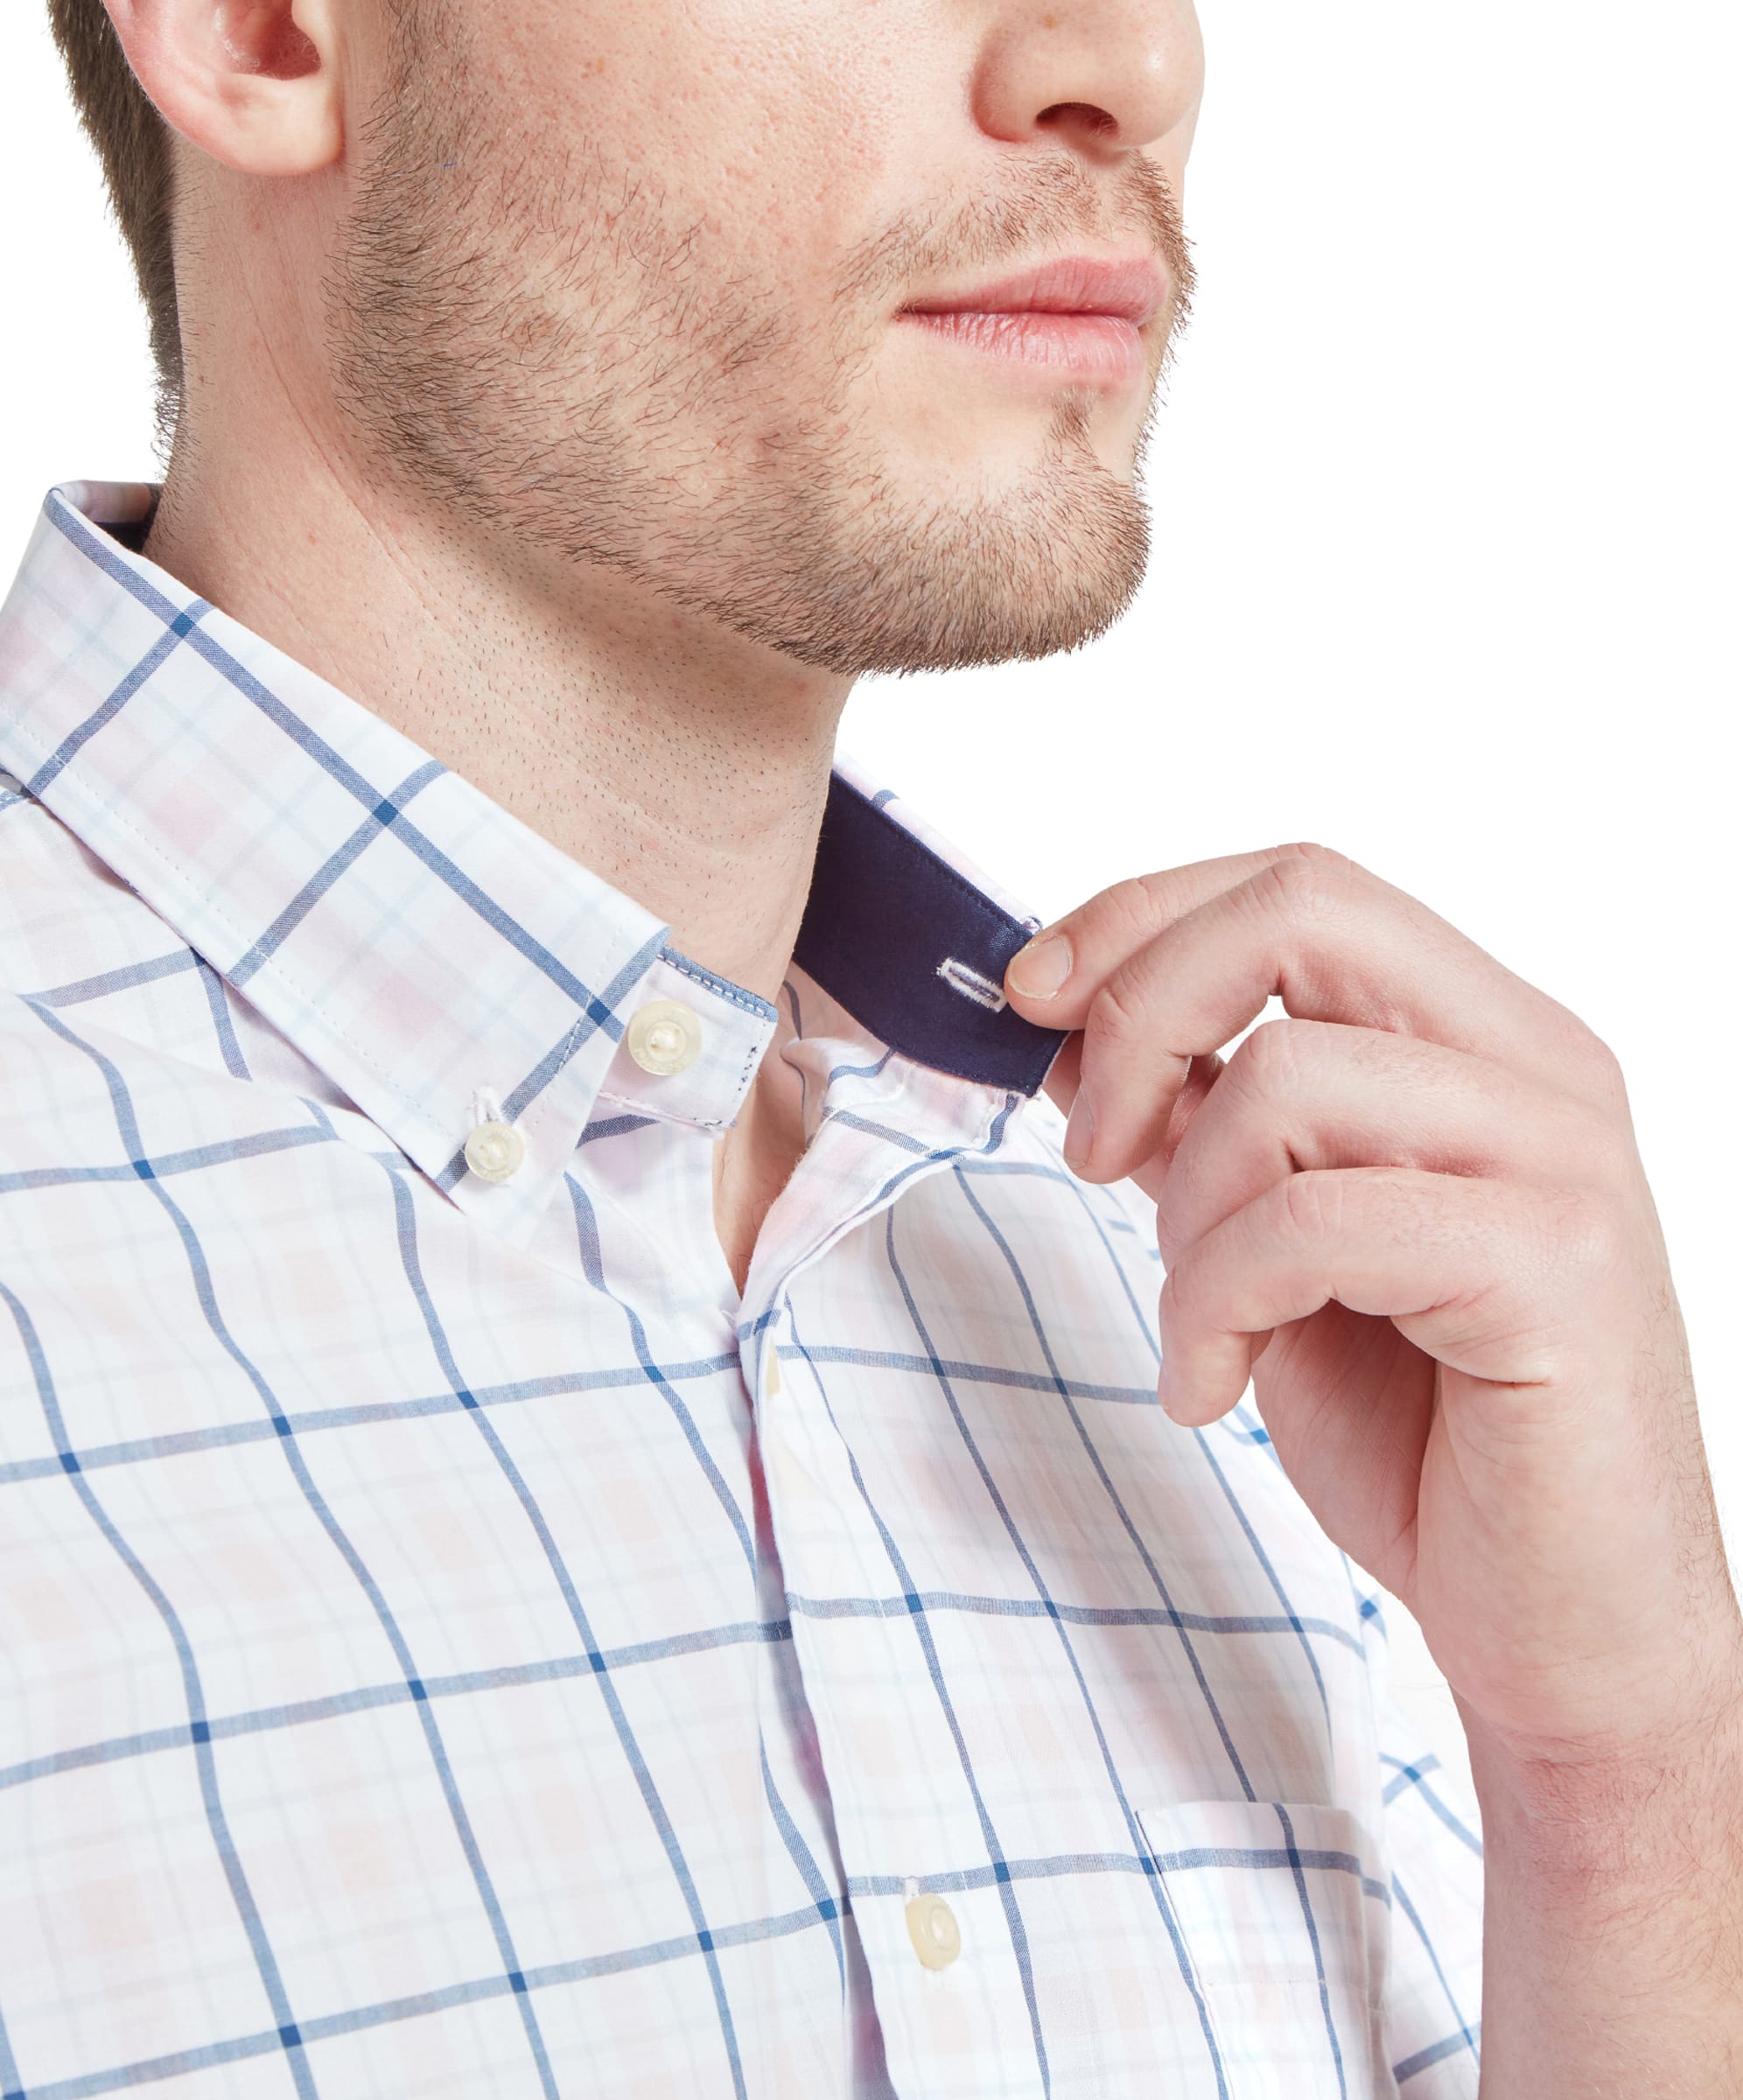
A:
[1132,291]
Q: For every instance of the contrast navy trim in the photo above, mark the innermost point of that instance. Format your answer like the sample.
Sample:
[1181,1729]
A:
[885,912]
[720,985]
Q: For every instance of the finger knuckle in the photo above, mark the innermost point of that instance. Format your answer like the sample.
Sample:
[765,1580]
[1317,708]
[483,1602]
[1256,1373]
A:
[1133,908]
[1588,1060]
[1275,1055]
[1602,1068]
[1114,1015]
[1601,1145]
[1308,881]
[1311,849]
[1587,1236]
[1312,1204]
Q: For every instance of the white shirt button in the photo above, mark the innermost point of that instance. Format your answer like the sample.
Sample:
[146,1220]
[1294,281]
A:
[932,1927]
[495,1151]
[664,1037]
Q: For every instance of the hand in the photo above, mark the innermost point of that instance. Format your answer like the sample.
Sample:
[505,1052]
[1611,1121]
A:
[1415,1215]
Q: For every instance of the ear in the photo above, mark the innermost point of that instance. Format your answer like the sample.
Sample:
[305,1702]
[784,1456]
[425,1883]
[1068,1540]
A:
[254,83]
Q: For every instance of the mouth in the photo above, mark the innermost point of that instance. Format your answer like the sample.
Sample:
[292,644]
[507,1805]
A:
[1078,319]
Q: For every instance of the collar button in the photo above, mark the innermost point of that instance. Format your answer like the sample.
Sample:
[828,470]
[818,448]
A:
[495,1152]
[664,1037]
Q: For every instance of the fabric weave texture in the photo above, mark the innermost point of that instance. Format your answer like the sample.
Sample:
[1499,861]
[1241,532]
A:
[455,1643]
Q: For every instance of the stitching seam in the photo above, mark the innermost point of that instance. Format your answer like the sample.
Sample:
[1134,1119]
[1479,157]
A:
[709,982]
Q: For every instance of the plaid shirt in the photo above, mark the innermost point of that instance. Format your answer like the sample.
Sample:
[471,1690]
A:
[452,1642]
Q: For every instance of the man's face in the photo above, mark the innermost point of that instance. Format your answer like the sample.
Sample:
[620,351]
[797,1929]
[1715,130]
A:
[624,284]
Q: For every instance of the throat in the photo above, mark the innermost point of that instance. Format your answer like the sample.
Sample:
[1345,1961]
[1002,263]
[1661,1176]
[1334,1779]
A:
[755,1160]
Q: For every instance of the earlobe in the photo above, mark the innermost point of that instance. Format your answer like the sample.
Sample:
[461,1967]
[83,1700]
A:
[255,84]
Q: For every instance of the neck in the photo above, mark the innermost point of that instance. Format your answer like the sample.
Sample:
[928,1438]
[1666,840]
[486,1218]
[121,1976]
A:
[683,763]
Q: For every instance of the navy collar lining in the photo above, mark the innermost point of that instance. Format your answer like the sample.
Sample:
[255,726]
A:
[914,951]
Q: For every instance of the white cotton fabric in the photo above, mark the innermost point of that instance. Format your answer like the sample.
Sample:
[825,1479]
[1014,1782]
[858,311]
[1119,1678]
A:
[445,1655]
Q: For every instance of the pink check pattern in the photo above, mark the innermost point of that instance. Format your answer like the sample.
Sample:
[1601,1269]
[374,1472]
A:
[455,1644]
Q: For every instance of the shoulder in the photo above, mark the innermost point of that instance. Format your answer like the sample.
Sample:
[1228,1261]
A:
[85,964]
[64,916]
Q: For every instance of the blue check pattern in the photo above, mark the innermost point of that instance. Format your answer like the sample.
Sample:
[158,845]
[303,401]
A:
[457,1643]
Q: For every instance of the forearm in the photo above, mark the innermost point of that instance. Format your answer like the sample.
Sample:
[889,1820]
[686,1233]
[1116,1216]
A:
[1612,1928]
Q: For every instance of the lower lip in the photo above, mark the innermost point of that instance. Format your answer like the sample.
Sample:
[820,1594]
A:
[1088,349]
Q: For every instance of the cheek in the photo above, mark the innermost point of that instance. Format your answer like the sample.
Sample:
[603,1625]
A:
[781,128]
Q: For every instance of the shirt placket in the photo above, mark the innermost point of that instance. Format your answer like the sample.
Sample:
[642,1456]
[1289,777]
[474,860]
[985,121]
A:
[943,1943]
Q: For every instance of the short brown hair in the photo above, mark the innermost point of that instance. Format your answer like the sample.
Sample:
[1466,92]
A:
[133,142]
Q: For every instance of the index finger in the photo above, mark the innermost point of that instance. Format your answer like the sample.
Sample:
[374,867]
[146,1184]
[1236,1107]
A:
[1088,944]
[1329,937]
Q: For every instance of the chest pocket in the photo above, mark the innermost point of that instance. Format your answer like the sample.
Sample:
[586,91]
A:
[1285,1913]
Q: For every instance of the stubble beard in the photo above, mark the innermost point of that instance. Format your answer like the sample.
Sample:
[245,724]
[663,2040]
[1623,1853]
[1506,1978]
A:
[540,346]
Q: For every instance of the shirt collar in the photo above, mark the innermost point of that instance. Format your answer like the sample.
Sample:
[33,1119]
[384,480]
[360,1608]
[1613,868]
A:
[416,942]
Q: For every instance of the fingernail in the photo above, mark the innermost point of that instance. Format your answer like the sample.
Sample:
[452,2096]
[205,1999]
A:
[1080,1128]
[1039,970]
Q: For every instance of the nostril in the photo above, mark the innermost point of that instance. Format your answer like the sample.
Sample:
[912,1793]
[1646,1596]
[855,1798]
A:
[1078,116]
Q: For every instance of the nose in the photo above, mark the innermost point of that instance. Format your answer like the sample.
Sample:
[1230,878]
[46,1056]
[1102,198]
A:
[1105,76]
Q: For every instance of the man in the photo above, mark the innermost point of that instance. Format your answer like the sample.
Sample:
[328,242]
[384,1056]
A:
[585,1507]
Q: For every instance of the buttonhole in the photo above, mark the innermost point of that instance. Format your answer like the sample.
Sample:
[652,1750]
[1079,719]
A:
[972,985]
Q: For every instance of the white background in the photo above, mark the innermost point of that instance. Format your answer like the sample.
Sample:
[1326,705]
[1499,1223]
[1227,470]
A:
[1447,546]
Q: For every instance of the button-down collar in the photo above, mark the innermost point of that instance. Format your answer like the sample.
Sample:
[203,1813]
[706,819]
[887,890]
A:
[417,943]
